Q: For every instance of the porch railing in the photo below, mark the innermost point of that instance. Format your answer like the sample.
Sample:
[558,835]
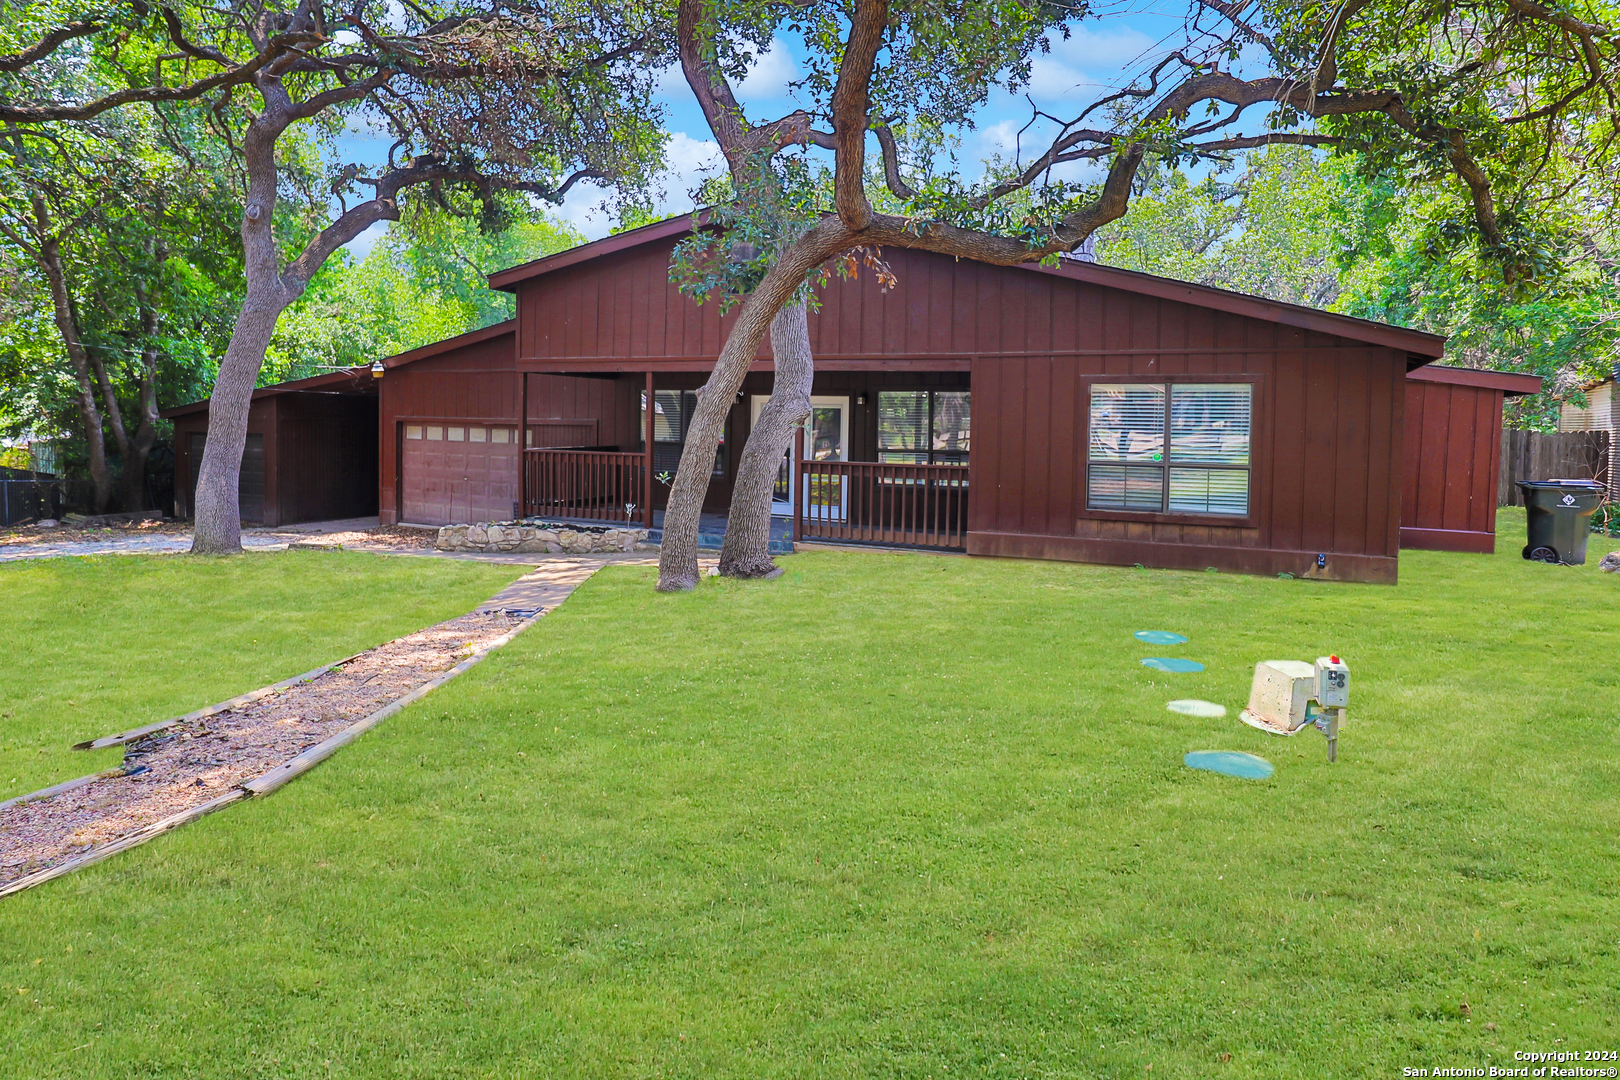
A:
[879,503]
[593,485]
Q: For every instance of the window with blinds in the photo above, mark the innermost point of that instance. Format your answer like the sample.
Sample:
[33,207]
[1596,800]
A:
[672,416]
[1178,448]
[921,427]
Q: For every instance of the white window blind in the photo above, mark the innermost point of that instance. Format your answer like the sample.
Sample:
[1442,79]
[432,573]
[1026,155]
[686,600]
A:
[918,427]
[1203,466]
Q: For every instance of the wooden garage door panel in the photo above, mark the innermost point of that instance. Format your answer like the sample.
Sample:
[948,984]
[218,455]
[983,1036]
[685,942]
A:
[449,482]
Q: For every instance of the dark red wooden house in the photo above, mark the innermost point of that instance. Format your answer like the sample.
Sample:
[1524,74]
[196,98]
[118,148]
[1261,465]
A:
[1072,412]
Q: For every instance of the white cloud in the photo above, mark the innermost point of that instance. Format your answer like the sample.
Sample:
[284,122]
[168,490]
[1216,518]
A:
[688,162]
[1000,138]
[769,74]
[1089,61]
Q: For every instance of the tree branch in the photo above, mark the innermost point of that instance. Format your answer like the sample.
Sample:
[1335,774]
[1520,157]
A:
[48,45]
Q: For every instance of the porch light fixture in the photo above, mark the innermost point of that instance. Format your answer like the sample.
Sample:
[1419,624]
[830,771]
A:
[377,369]
[860,399]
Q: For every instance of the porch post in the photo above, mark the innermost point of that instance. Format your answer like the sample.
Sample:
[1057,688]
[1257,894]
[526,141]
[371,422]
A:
[523,444]
[647,473]
[795,478]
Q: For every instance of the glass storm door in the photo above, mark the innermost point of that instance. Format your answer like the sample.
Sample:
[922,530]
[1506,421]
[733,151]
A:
[826,438]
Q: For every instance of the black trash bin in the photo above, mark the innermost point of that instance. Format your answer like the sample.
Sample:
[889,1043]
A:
[1560,518]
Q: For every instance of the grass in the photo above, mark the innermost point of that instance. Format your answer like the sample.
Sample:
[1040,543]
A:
[896,816]
[97,645]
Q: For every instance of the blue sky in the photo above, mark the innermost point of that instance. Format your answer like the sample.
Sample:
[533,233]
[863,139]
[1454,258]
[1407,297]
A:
[1101,54]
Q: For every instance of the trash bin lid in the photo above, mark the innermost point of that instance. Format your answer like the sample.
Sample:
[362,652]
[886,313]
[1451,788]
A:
[1561,485]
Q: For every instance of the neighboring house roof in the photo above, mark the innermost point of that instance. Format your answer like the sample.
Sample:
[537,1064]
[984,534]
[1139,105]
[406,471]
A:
[358,380]
[1420,346]
[1510,383]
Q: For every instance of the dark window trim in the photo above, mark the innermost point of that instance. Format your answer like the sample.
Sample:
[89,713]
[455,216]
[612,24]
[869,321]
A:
[928,431]
[1258,441]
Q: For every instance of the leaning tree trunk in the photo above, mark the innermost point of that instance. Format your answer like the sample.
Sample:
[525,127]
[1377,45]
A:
[746,552]
[677,557]
[218,526]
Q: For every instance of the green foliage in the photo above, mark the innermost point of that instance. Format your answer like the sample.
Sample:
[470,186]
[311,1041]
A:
[1261,232]
[424,280]
[685,836]
[1297,227]
[1399,265]
[144,209]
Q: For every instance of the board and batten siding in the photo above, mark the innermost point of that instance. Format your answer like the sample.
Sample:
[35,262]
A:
[476,381]
[1453,457]
[1329,409]
[1326,443]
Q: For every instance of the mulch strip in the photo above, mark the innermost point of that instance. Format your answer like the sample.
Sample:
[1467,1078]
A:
[199,761]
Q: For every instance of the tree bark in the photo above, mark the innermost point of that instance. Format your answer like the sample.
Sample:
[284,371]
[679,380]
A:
[140,445]
[218,526]
[115,420]
[746,551]
[677,557]
[217,529]
[49,254]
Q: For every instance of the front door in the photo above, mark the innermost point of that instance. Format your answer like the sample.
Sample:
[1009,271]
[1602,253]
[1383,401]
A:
[826,438]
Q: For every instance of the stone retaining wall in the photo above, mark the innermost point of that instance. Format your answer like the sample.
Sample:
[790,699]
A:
[533,536]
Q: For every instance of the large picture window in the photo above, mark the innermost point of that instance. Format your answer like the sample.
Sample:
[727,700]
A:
[1170,448]
[924,427]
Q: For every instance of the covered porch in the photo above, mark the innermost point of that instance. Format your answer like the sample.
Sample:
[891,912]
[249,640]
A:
[883,460]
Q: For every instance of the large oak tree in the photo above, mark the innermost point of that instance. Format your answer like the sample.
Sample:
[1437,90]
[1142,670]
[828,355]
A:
[481,96]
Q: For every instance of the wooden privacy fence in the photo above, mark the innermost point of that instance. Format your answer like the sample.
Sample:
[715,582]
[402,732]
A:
[878,503]
[1539,455]
[594,485]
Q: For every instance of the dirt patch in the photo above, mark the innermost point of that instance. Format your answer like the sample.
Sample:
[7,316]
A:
[395,537]
[192,763]
[82,534]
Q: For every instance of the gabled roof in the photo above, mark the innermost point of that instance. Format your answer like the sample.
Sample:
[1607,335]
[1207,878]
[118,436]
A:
[359,380]
[1420,347]
[1510,383]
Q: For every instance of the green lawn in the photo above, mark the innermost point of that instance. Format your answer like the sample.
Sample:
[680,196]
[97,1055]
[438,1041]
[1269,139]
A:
[97,645]
[896,816]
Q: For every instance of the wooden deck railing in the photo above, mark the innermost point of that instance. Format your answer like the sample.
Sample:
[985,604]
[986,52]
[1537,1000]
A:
[878,503]
[593,485]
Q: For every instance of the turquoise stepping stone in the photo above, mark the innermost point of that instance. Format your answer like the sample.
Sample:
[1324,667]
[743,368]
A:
[1165,663]
[1159,637]
[1195,707]
[1229,763]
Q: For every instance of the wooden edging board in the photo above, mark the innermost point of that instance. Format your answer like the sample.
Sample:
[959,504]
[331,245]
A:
[235,702]
[276,777]
[261,785]
[63,788]
[123,843]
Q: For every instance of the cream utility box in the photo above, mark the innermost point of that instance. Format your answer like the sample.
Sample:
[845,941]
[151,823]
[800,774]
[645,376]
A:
[1288,694]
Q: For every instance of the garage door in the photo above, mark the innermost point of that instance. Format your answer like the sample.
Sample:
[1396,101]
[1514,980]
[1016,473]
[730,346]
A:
[454,474]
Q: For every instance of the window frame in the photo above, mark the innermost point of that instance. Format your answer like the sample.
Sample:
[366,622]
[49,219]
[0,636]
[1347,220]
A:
[1259,439]
[928,451]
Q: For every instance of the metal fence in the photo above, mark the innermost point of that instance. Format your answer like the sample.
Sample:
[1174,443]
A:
[30,500]
[1539,455]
